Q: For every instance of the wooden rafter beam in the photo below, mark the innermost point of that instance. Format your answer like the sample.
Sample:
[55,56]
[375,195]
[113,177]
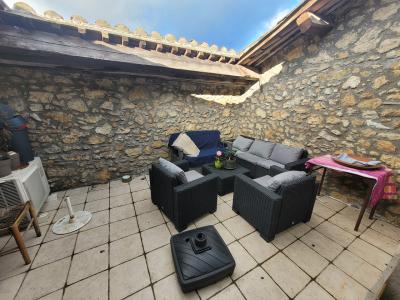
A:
[310,23]
[125,41]
[232,61]
[272,52]
[142,44]
[159,47]
[222,59]
[104,36]
[174,50]
[260,54]
[213,57]
[264,43]
[200,55]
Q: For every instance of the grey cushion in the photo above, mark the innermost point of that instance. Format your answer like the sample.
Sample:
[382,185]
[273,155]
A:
[192,175]
[274,183]
[249,157]
[267,163]
[262,180]
[284,154]
[173,170]
[241,143]
[262,148]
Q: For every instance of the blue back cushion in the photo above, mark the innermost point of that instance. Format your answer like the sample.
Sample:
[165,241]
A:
[204,139]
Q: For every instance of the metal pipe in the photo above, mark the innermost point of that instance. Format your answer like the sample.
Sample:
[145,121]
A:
[70,210]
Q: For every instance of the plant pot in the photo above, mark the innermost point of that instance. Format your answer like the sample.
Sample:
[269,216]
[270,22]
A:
[230,164]
[5,167]
[218,164]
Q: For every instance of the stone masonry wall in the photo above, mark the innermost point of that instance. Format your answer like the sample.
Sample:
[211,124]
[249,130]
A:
[89,128]
[338,94]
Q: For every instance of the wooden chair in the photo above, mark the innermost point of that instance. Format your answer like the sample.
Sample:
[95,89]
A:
[10,220]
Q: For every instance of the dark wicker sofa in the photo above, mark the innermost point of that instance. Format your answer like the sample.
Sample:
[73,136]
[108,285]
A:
[260,166]
[182,203]
[272,212]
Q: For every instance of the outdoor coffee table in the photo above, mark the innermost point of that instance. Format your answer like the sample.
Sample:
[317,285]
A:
[200,257]
[226,178]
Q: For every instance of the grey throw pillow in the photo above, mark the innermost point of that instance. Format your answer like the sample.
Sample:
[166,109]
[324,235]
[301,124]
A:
[242,144]
[274,183]
[284,154]
[173,169]
[262,148]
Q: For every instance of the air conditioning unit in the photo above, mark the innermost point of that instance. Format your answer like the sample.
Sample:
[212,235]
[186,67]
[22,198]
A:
[25,184]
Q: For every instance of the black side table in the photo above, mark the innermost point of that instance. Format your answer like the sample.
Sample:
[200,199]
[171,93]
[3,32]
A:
[226,178]
[200,257]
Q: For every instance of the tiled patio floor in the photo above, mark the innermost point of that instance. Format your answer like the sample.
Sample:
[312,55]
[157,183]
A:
[124,253]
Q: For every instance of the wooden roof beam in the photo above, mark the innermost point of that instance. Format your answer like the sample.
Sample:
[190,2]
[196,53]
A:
[174,50]
[232,60]
[213,57]
[279,44]
[272,51]
[142,44]
[222,59]
[310,23]
[315,6]
[201,55]
[104,36]
[125,41]
[159,47]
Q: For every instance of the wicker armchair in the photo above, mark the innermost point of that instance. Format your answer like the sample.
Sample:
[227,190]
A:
[10,220]
[272,212]
[182,203]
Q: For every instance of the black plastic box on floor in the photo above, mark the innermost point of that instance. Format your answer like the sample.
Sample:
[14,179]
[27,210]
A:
[200,257]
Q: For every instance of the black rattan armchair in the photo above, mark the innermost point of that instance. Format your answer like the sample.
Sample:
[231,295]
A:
[182,203]
[272,212]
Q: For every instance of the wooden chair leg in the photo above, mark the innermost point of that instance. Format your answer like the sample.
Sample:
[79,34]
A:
[371,214]
[21,244]
[33,214]
[321,182]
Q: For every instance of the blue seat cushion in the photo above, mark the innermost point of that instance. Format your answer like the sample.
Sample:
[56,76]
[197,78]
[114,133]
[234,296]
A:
[205,156]
[208,141]
[204,139]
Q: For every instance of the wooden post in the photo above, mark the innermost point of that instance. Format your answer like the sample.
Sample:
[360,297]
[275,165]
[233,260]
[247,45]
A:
[32,212]
[20,243]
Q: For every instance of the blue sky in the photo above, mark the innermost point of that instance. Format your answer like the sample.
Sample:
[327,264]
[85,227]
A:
[230,23]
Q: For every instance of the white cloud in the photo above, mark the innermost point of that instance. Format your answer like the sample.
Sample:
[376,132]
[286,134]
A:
[273,21]
[269,24]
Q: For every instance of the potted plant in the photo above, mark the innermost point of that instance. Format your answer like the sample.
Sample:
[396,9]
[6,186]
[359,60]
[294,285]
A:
[5,161]
[218,163]
[230,159]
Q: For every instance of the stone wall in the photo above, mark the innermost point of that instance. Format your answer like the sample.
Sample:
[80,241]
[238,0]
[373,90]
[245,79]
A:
[89,128]
[338,94]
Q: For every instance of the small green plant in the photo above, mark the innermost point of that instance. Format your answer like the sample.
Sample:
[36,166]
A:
[230,154]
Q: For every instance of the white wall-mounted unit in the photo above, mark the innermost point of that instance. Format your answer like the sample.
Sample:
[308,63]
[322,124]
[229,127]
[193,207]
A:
[25,184]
